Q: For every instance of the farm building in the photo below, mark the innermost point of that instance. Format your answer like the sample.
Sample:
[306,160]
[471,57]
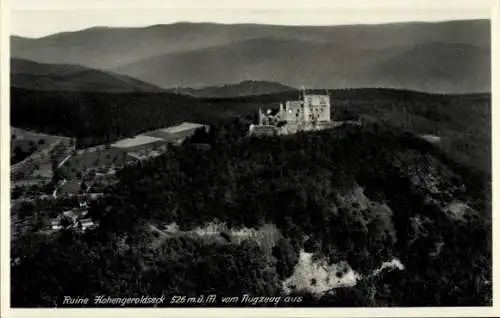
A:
[106,159]
[75,218]
[69,187]
[44,171]
[160,133]
[177,134]
[185,127]
[154,143]
[138,142]
[94,196]
[144,154]
[84,224]
[127,151]
[55,224]
[71,215]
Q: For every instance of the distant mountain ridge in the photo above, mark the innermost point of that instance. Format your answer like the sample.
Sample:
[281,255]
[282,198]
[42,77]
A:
[66,77]
[438,67]
[197,55]
[244,88]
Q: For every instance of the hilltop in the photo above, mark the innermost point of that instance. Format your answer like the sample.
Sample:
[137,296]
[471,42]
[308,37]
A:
[244,88]
[355,197]
[300,63]
[66,77]
[462,122]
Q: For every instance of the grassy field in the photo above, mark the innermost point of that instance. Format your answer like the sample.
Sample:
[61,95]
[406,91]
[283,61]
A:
[100,158]
[24,143]
[33,153]
[19,134]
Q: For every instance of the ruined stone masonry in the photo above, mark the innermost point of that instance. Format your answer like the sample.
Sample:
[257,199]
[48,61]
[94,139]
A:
[311,112]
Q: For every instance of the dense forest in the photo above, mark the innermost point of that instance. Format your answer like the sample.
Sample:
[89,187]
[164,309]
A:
[461,121]
[362,195]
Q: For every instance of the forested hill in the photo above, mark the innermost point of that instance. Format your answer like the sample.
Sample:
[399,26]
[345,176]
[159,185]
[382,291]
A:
[462,122]
[244,88]
[66,77]
[361,195]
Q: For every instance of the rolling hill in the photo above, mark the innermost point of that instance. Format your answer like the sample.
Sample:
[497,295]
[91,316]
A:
[244,88]
[104,47]
[205,54]
[66,77]
[433,67]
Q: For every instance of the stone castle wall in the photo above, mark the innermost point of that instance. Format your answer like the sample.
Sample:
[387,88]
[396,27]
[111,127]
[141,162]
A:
[310,113]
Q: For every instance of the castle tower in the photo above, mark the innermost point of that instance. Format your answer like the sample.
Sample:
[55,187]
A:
[317,108]
[328,105]
[310,112]
[327,112]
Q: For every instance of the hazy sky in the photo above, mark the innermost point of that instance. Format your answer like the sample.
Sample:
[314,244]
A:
[35,18]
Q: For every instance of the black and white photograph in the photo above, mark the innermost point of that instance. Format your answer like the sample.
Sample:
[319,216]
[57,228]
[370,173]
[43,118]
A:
[286,156]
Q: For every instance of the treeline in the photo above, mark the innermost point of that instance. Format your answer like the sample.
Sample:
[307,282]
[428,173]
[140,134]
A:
[462,121]
[98,118]
[88,265]
[308,186]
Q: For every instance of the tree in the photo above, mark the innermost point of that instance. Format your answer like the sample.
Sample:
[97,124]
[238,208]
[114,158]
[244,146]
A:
[357,296]
[17,192]
[19,154]
[287,257]
[83,186]
[66,222]
[59,174]
[359,194]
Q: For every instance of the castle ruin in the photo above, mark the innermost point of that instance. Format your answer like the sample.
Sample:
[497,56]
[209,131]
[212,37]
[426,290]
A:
[311,112]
